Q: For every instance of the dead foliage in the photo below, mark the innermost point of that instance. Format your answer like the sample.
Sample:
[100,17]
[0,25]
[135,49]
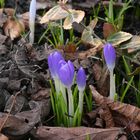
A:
[78,133]
[119,114]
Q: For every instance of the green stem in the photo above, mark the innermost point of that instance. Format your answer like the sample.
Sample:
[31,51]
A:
[57,85]
[32,30]
[62,33]
[112,85]
[71,106]
[63,91]
[81,95]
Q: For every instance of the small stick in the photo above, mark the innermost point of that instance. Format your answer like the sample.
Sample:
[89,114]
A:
[8,114]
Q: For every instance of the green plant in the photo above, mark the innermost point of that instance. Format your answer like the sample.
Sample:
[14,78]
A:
[61,17]
[128,82]
[66,98]
[57,37]
[2,3]
[114,15]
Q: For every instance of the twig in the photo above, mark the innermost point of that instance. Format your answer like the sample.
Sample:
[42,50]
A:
[8,114]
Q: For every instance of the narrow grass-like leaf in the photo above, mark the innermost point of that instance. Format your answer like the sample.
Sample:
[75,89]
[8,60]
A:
[127,67]
[126,89]
[88,99]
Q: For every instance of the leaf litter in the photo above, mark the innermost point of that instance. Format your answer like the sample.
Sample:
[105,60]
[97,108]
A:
[25,90]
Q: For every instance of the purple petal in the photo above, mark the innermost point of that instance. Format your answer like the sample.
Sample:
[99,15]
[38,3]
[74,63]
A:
[60,64]
[71,67]
[66,74]
[50,63]
[81,79]
[110,56]
[53,62]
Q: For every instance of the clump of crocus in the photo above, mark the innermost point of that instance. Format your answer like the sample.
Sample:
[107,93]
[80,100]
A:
[62,73]
[110,57]
[32,14]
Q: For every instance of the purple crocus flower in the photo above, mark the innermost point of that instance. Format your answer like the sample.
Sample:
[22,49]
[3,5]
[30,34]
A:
[110,56]
[81,79]
[66,74]
[53,61]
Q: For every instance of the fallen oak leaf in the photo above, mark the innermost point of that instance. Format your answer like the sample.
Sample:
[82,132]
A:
[122,121]
[107,116]
[21,123]
[127,110]
[77,133]
[101,77]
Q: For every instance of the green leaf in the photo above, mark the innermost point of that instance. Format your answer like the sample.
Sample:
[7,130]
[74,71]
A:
[118,38]
[126,66]
[126,89]
[111,12]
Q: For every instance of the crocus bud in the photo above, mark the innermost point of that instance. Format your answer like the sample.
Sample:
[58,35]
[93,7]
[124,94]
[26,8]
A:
[81,79]
[66,74]
[53,61]
[32,14]
[110,56]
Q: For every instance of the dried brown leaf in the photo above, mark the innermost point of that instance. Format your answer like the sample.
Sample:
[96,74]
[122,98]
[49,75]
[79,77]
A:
[102,78]
[41,94]
[122,121]
[7,11]
[2,40]
[89,53]
[18,105]
[99,123]
[3,137]
[106,115]
[108,29]
[13,28]
[77,133]
[24,18]
[22,122]
[129,111]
